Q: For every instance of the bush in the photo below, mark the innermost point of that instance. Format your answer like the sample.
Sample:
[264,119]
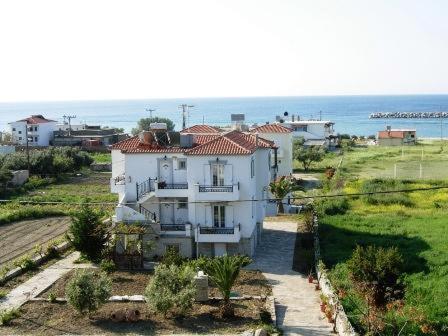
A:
[376,271]
[6,316]
[376,185]
[172,289]
[25,263]
[108,266]
[172,257]
[87,291]
[52,250]
[333,206]
[51,297]
[2,294]
[87,233]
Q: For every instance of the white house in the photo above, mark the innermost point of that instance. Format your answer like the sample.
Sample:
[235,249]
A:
[39,130]
[201,193]
[315,132]
[282,138]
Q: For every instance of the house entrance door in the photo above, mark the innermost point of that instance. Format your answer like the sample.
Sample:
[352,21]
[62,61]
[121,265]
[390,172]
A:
[166,171]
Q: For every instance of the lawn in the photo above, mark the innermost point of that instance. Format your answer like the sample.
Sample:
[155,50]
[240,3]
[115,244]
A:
[419,230]
[379,162]
[101,157]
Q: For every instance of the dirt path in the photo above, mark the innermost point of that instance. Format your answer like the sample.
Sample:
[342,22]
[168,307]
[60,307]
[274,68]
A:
[20,237]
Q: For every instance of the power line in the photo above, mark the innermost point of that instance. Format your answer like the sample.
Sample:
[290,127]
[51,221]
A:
[236,201]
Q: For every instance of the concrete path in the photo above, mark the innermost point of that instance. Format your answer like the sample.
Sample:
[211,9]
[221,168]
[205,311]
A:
[297,302]
[40,282]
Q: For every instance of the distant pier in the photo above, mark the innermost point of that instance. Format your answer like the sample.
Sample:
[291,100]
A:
[408,115]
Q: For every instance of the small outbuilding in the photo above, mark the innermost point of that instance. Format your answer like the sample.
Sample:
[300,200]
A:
[397,137]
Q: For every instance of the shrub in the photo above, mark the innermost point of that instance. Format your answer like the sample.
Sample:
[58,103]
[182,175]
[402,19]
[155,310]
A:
[223,272]
[87,233]
[172,257]
[376,271]
[172,290]
[333,206]
[25,263]
[52,250]
[376,185]
[108,266]
[6,316]
[2,294]
[4,270]
[52,297]
[87,291]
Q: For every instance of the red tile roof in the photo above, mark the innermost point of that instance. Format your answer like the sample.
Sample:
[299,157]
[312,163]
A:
[394,134]
[37,119]
[133,145]
[231,143]
[271,128]
[201,129]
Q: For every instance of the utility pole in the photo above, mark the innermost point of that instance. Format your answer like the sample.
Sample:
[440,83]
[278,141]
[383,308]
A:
[185,108]
[69,123]
[150,111]
[320,115]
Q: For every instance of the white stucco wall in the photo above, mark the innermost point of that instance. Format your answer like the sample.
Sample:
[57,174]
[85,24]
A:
[44,133]
[284,153]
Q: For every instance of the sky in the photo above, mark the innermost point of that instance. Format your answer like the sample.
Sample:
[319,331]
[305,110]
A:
[95,49]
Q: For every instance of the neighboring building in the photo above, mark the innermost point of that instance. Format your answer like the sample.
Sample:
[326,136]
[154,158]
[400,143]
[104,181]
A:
[39,129]
[282,138]
[201,193]
[315,132]
[397,137]
[90,136]
[76,127]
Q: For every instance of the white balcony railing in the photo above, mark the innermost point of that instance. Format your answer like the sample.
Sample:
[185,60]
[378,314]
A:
[210,234]
[217,193]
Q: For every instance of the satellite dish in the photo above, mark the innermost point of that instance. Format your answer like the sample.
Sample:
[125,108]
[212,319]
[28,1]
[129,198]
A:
[282,121]
[285,114]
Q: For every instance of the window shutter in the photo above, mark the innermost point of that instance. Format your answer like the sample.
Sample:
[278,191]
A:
[207,175]
[228,174]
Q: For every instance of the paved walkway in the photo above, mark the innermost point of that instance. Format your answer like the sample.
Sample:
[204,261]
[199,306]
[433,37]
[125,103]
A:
[40,282]
[297,302]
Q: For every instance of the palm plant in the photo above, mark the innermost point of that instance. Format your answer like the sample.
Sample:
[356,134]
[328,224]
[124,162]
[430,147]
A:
[223,272]
[280,189]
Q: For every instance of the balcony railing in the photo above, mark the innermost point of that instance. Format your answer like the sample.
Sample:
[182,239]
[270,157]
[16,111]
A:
[149,215]
[216,230]
[144,188]
[172,227]
[163,185]
[204,188]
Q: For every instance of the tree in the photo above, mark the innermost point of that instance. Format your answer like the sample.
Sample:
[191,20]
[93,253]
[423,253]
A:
[144,124]
[5,177]
[280,189]
[87,233]
[87,291]
[171,289]
[307,155]
[223,272]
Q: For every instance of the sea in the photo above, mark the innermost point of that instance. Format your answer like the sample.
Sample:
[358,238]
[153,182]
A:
[349,113]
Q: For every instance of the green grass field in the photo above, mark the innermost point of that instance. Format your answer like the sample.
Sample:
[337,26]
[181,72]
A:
[379,162]
[101,157]
[420,231]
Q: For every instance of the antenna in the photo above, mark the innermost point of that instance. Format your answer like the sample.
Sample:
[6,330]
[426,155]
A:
[185,113]
[69,123]
[150,111]
[320,115]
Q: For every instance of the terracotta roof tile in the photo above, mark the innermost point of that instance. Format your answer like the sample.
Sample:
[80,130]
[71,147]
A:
[271,128]
[37,119]
[133,145]
[201,129]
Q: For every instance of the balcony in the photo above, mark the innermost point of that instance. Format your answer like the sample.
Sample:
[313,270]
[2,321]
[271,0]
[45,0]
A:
[172,227]
[210,234]
[118,184]
[217,193]
[163,189]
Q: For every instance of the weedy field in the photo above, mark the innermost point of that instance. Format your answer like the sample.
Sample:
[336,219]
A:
[414,222]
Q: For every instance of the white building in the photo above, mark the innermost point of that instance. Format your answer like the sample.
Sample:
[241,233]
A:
[39,130]
[204,195]
[282,138]
[315,132]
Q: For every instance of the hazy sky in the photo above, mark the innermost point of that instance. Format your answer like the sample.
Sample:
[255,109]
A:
[57,50]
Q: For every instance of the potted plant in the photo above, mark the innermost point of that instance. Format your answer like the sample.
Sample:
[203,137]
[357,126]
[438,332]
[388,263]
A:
[310,277]
[324,302]
[329,314]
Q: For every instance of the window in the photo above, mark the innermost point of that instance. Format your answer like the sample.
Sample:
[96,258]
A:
[217,174]
[20,138]
[35,139]
[182,164]
[20,132]
[35,128]
[13,129]
[182,205]
[252,168]
[219,216]
[30,139]
[302,128]
[174,247]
